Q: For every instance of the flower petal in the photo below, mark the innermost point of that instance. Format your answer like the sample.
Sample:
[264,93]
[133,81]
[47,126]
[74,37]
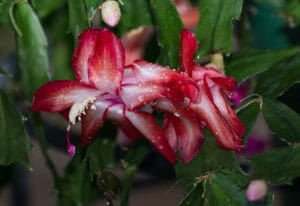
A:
[189,134]
[106,64]
[116,114]
[135,95]
[147,125]
[227,112]
[129,77]
[182,129]
[177,82]
[188,48]
[85,49]
[206,110]
[210,72]
[109,108]
[93,119]
[148,72]
[227,83]
[58,96]
[170,133]
[215,75]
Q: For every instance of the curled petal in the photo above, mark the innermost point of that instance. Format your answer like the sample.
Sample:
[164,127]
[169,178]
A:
[116,114]
[199,73]
[141,94]
[58,96]
[170,133]
[147,125]
[206,110]
[227,112]
[188,48]
[182,129]
[151,73]
[85,49]
[210,72]
[93,119]
[106,64]
[227,83]
[188,133]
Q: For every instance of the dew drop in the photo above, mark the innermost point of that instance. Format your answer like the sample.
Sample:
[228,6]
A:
[24,119]
[176,114]
[160,147]
[141,98]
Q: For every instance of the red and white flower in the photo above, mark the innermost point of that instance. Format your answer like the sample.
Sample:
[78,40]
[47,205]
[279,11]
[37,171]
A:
[105,89]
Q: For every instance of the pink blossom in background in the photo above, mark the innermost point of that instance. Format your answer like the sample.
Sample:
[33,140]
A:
[134,43]
[257,190]
[189,15]
[240,93]
[135,40]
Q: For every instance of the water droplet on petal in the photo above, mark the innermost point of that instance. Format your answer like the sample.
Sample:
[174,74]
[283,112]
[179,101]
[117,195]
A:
[176,114]
[160,147]
[24,119]
[141,98]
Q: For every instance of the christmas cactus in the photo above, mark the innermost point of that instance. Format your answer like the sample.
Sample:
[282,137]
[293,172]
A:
[202,89]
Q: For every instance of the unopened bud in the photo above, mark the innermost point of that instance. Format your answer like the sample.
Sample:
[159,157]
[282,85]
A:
[110,12]
[256,190]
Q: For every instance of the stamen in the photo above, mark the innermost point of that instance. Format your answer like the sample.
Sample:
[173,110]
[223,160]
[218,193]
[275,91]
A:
[79,108]
[70,147]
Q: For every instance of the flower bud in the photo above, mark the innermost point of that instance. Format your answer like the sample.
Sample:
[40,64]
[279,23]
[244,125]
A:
[256,190]
[110,12]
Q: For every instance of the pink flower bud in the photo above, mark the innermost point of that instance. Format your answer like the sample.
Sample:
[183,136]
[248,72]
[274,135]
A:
[110,12]
[256,190]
